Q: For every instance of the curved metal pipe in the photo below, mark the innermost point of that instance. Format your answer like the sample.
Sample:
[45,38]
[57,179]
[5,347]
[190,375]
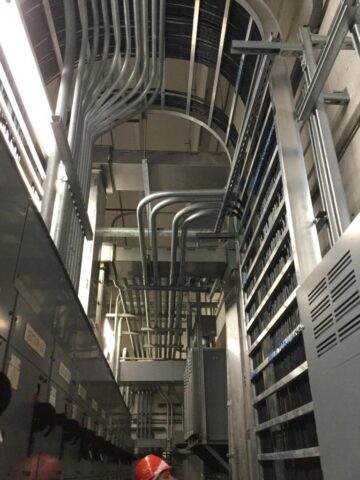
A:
[174,243]
[115,117]
[112,104]
[184,194]
[195,216]
[153,230]
[125,315]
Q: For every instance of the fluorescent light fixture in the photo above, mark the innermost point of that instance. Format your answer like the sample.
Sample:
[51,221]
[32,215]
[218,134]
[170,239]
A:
[25,71]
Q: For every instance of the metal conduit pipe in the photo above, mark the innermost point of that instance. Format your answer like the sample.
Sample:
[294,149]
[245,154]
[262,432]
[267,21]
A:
[125,315]
[109,96]
[84,150]
[90,67]
[76,103]
[138,420]
[89,73]
[171,433]
[150,413]
[99,97]
[167,417]
[95,109]
[156,71]
[153,231]
[173,256]
[185,195]
[202,213]
[115,333]
[143,414]
[64,202]
[112,105]
[158,65]
[99,109]
[67,72]
[143,85]
[100,82]
[161,55]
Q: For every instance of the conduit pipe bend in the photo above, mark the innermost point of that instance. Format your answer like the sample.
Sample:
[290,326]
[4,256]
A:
[178,218]
[156,70]
[185,195]
[153,231]
[183,240]
[118,318]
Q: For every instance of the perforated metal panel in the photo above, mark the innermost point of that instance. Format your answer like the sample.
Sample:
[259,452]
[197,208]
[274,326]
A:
[329,304]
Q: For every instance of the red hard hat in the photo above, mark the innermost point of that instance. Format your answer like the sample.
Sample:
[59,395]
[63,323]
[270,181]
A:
[150,467]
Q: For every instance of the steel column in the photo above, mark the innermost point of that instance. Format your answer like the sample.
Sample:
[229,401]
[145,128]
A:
[326,161]
[337,33]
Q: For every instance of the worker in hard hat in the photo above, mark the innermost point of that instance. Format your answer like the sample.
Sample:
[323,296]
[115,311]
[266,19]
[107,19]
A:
[153,467]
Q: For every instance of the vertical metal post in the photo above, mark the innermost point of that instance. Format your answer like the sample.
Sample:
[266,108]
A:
[303,234]
[356,35]
[201,369]
[237,84]
[326,161]
[242,446]
[99,300]
[145,172]
[219,60]
[192,54]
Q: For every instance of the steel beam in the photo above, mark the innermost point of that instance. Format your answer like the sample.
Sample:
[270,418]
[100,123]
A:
[102,155]
[168,288]
[337,98]
[145,372]
[72,176]
[337,34]
[262,47]
[128,232]
[198,255]
[283,49]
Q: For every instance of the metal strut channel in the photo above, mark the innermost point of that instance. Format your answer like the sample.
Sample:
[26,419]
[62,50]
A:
[344,19]
[71,172]
[251,115]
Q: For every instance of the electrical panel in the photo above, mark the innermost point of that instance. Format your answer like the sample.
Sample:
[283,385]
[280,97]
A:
[61,412]
[329,303]
[205,413]
[283,409]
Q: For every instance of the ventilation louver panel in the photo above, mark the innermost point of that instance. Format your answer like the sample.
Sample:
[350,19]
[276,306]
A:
[334,297]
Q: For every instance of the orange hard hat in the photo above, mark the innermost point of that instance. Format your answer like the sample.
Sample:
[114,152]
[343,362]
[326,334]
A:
[150,467]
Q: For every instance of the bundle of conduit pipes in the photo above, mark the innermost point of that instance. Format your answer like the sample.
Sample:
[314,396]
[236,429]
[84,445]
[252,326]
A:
[106,93]
[204,203]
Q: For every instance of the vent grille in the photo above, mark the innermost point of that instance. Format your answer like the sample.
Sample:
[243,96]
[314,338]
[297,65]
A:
[349,328]
[324,325]
[318,290]
[334,305]
[325,345]
[339,267]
